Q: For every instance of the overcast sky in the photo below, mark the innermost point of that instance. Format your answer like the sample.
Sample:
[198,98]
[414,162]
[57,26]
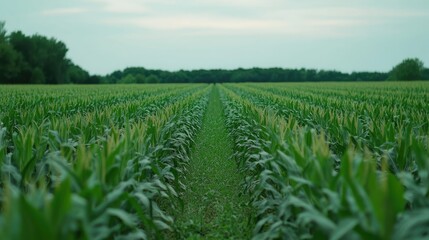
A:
[347,35]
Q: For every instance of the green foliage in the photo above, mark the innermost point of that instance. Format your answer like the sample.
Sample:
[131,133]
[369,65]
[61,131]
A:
[325,162]
[409,69]
[152,79]
[36,59]
[45,54]
[319,161]
[425,74]
[10,63]
[213,206]
[77,75]
[94,163]
[37,76]
[127,79]
[2,30]
[238,75]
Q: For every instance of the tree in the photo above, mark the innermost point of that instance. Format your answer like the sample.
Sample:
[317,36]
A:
[409,69]
[10,60]
[37,59]
[77,75]
[94,79]
[2,31]
[140,78]
[49,55]
[129,78]
[37,76]
[425,74]
[152,79]
[10,63]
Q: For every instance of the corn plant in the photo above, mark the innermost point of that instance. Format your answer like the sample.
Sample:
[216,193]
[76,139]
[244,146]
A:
[102,172]
[304,187]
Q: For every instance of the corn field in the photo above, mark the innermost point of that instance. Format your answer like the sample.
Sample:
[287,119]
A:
[333,161]
[94,162]
[319,160]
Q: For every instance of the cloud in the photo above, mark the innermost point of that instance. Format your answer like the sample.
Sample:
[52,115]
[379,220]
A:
[348,12]
[239,3]
[249,16]
[122,6]
[192,23]
[63,11]
[200,24]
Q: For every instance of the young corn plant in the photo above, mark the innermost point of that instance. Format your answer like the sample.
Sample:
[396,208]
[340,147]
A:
[108,181]
[302,189]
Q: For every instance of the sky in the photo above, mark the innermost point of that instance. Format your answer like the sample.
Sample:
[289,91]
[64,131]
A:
[346,35]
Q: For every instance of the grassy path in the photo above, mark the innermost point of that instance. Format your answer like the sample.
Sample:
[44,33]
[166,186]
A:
[213,208]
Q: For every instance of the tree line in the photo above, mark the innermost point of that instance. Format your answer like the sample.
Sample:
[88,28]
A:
[37,59]
[409,69]
[142,75]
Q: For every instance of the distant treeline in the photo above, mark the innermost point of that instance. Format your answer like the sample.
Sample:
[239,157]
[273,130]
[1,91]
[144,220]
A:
[40,60]
[409,69]
[142,75]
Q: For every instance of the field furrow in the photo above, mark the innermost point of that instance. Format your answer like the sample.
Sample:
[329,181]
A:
[214,207]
